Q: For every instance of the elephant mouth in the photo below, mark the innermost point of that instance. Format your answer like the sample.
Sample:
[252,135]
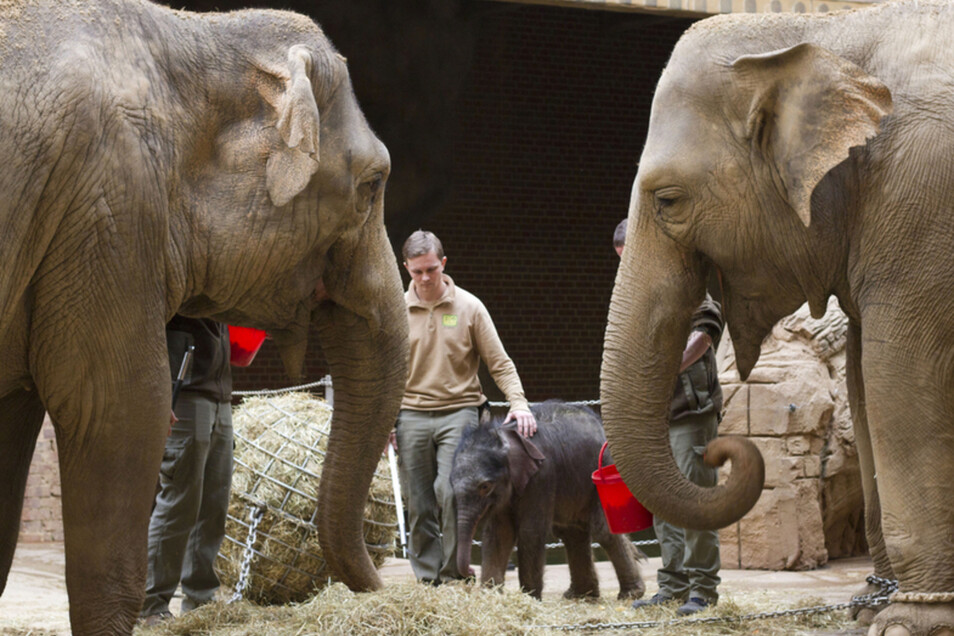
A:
[291,339]
[321,294]
[482,509]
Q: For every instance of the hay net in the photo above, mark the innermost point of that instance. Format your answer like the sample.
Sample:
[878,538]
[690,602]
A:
[280,444]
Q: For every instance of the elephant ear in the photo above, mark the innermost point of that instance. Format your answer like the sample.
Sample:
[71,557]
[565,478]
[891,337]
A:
[523,456]
[291,165]
[809,108]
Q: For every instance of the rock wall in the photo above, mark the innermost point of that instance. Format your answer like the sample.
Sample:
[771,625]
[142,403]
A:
[42,518]
[794,407]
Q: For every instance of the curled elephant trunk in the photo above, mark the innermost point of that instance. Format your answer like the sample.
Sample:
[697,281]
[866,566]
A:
[649,318]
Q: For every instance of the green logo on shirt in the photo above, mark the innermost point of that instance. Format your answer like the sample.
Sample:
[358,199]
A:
[450,320]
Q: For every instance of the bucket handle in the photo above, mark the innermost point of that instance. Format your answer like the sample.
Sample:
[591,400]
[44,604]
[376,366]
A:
[600,463]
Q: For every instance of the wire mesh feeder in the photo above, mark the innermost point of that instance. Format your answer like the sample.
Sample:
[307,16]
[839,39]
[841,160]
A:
[280,443]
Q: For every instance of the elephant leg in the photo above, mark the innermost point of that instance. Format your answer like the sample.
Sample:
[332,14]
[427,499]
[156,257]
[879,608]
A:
[21,416]
[876,547]
[531,556]
[859,416]
[105,381]
[912,449]
[499,537]
[584,583]
[108,486]
[624,556]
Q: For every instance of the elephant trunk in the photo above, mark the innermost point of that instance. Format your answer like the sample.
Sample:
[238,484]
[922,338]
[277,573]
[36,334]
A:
[468,516]
[657,289]
[367,356]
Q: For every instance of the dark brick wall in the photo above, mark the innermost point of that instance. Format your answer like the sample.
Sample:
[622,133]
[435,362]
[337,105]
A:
[548,124]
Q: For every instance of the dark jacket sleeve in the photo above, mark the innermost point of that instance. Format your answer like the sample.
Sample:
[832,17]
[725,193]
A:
[708,318]
[209,373]
[697,390]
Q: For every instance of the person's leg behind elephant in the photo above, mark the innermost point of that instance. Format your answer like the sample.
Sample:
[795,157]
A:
[177,505]
[415,440]
[701,563]
[447,437]
[199,581]
[671,577]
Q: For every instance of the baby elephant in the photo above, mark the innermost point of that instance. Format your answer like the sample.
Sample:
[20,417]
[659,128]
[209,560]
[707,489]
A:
[524,489]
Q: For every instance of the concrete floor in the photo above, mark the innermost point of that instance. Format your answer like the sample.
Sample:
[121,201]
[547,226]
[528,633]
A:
[35,596]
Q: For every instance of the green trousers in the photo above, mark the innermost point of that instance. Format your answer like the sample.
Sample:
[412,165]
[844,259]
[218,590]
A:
[426,444]
[188,523]
[690,558]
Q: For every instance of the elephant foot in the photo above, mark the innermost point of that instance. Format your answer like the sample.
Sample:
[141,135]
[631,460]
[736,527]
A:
[865,614]
[589,595]
[914,619]
[632,592]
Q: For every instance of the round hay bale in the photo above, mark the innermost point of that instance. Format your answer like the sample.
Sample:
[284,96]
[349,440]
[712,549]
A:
[280,443]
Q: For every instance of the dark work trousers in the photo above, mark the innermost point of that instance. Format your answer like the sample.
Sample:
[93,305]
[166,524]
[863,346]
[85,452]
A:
[426,444]
[188,522]
[690,558]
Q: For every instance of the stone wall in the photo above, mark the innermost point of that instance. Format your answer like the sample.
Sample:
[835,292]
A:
[794,407]
[42,518]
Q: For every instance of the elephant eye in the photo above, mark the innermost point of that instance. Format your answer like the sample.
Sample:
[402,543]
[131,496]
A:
[368,192]
[665,201]
[665,197]
[485,488]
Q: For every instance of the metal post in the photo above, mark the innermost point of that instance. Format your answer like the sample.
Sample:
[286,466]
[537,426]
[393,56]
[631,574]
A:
[398,504]
[329,391]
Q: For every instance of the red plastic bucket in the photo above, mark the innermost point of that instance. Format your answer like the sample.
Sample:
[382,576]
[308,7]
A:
[623,512]
[245,343]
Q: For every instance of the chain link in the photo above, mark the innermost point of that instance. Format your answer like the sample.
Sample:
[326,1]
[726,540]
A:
[255,514]
[865,600]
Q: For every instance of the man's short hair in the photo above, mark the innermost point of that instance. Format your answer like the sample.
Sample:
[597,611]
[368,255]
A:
[619,236]
[420,243]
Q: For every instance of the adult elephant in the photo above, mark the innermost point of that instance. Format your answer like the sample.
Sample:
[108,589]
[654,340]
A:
[798,157]
[155,162]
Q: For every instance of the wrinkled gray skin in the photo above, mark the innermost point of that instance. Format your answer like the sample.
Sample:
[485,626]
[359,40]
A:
[158,162]
[803,157]
[560,498]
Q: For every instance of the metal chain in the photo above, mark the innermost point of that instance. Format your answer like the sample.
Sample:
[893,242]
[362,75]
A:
[865,600]
[559,544]
[882,596]
[578,403]
[255,514]
[323,382]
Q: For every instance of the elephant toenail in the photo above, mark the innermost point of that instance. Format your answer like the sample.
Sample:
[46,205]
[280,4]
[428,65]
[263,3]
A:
[894,630]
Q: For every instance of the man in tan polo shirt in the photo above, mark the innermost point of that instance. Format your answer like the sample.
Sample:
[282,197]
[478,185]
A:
[450,333]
